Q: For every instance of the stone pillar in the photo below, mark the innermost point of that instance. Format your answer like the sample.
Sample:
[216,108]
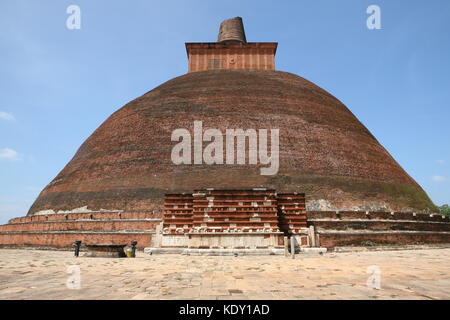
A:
[292,246]
[232,30]
[312,236]
[286,244]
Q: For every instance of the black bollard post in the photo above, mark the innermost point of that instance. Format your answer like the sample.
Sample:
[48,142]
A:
[133,249]
[77,247]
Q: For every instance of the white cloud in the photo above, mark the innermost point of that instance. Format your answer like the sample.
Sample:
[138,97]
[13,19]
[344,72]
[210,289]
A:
[9,154]
[6,116]
[440,161]
[438,178]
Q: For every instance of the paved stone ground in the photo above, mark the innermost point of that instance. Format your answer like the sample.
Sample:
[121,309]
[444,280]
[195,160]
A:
[406,274]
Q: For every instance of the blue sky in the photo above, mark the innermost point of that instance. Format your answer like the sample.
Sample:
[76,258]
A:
[58,85]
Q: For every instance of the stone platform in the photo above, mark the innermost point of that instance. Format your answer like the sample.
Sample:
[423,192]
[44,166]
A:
[229,252]
[215,252]
[405,274]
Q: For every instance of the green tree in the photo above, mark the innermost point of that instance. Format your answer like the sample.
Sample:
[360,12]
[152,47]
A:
[444,210]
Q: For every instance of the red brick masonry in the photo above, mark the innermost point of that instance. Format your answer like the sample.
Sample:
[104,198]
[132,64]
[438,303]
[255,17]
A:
[61,230]
[221,56]
[347,228]
[324,150]
[334,228]
[250,210]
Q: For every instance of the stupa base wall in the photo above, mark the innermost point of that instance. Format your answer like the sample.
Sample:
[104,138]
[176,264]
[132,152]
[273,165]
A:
[330,229]
[331,239]
[61,239]
[62,230]
[174,241]
[367,229]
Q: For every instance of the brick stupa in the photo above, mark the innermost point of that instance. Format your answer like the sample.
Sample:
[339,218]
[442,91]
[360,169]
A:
[122,172]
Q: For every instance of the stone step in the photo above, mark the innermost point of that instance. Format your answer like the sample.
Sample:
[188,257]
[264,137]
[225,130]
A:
[380,225]
[83,225]
[85,216]
[349,215]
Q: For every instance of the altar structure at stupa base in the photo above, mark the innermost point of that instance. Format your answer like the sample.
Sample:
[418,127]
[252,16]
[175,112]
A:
[257,218]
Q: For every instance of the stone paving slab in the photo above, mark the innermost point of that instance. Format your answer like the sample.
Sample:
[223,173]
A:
[404,274]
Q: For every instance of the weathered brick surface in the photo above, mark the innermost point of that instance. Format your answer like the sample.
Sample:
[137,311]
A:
[249,210]
[324,150]
[291,212]
[349,215]
[376,228]
[20,219]
[67,239]
[381,225]
[232,30]
[235,210]
[139,215]
[177,216]
[231,56]
[330,240]
[71,225]
[61,230]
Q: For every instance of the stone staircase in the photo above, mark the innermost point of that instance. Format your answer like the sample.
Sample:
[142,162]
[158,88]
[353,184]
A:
[291,212]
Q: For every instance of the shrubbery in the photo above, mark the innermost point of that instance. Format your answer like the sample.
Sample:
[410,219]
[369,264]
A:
[444,210]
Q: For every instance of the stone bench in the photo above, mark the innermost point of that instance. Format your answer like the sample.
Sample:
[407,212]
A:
[105,250]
